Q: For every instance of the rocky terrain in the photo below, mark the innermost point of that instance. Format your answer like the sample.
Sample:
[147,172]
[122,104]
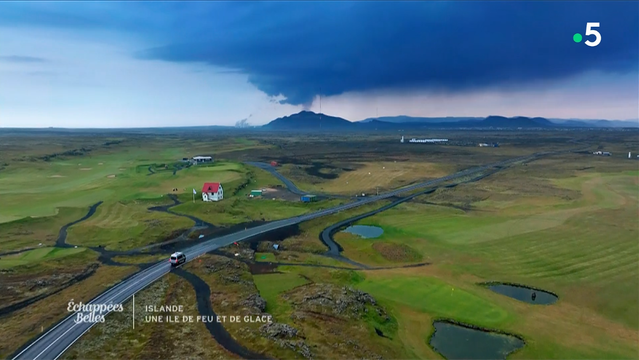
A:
[330,299]
[17,288]
[322,320]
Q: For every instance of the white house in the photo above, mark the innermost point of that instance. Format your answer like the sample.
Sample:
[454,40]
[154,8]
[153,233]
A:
[212,192]
[201,159]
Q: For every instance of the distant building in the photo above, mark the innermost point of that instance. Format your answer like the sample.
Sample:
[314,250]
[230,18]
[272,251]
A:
[402,140]
[413,140]
[629,155]
[212,192]
[201,159]
[483,145]
[274,163]
[603,153]
[255,193]
[309,198]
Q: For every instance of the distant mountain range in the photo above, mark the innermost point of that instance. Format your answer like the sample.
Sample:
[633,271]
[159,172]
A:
[308,120]
[410,119]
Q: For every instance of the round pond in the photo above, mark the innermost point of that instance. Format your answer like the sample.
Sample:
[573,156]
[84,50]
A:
[365,231]
[461,342]
[524,294]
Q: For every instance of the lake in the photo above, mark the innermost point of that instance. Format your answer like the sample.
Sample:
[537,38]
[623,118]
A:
[365,231]
[461,342]
[524,294]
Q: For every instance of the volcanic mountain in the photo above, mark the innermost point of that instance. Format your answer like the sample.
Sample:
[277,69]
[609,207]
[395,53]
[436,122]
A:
[306,120]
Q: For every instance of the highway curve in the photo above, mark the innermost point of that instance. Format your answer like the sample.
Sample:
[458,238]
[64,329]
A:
[55,341]
[289,184]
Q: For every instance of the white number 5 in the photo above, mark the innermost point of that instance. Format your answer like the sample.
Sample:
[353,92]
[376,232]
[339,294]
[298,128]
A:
[590,31]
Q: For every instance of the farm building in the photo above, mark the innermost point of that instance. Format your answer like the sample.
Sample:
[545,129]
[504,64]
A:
[201,159]
[413,140]
[604,153]
[274,163]
[212,192]
[309,198]
[255,193]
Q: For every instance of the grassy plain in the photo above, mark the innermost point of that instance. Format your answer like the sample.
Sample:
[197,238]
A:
[567,224]
[129,179]
[271,286]
[37,255]
[547,224]
[368,177]
[30,232]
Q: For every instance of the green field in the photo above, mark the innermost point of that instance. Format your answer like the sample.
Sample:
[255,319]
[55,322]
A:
[566,224]
[29,232]
[564,230]
[37,255]
[271,286]
[68,186]
[584,249]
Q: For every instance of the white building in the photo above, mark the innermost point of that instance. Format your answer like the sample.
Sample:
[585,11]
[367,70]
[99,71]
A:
[402,140]
[202,159]
[413,140]
[212,192]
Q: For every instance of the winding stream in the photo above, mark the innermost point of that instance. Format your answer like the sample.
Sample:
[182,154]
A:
[203,296]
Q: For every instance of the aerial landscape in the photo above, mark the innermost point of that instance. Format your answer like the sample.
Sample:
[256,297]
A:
[409,180]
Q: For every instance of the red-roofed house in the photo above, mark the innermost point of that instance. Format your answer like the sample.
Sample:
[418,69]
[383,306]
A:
[212,192]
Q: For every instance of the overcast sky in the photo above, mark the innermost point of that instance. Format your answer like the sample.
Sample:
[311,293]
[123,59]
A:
[125,64]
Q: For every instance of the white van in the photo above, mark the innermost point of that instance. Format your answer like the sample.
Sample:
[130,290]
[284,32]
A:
[177,258]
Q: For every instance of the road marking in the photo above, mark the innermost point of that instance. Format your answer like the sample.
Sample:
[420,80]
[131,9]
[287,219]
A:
[93,301]
[128,287]
[56,340]
[41,337]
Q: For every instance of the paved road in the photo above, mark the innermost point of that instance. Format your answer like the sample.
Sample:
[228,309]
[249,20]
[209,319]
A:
[288,183]
[58,339]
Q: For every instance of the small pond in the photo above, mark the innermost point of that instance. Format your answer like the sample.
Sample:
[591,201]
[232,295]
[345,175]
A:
[461,342]
[365,231]
[525,294]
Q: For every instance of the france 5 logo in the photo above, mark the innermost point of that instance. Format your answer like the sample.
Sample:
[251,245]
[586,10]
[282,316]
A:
[589,31]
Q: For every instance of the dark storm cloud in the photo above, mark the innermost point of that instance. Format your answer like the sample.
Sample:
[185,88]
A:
[22,59]
[297,48]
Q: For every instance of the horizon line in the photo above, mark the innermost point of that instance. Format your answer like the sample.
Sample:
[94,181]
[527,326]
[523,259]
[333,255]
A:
[257,126]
